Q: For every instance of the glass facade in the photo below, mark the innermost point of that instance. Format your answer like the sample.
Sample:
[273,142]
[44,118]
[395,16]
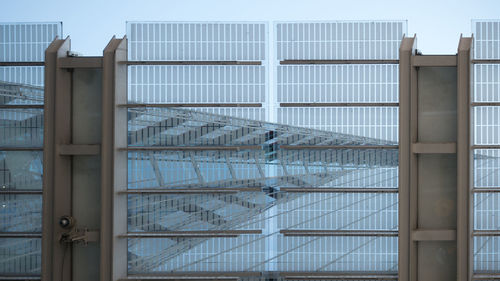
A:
[486,138]
[238,176]
[21,141]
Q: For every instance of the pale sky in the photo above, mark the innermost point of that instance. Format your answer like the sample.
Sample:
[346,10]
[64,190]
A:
[91,23]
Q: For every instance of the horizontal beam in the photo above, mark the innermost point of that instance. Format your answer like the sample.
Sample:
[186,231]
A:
[338,104]
[20,106]
[434,60]
[485,61]
[6,191]
[79,62]
[192,62]
[292,147]
[486,189]
[137,105]
[292,62]
[191,278]
[190,234]
[198,275]
[338,276]
[79,149]
[486,233]
[10,148]
[434,235]
[434,148]
[485,104]
[291,232]
[338,190]
[192,190]
[19,277]
[22,63]
[485,147]
[20,235]
[182,148]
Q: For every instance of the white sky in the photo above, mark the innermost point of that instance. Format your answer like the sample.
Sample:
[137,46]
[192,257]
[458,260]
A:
[91,23]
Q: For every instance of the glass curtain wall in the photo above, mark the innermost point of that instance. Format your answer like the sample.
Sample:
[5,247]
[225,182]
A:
[212,187]
[22,49]
[486,141]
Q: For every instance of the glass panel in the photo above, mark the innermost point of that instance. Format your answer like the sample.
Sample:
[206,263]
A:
[486,82]
[339,40]
[21,85]
[338,211]
[20,256]
[486,39]
[373,122]
[197,84]
[197,41]
[21,170]
[27,41]
[338,83]
[487,211]
[249,253]
[486,254]
[21,127]
[20,213]
[486,167]
[486,125]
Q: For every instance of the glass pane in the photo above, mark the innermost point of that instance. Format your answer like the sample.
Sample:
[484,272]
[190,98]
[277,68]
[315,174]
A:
[379,123]
[486,125]
[21,85]
[339,40]
[486,39]
[197,41]
[27,41]
[249,253]
[20,256]
[197,84]
[21,127]
[486,167]
[486,254]
[487,211]
[486,82]
[21,170]
[338,83]
[20,213]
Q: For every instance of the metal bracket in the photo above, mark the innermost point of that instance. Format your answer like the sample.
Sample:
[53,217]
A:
[80,236]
